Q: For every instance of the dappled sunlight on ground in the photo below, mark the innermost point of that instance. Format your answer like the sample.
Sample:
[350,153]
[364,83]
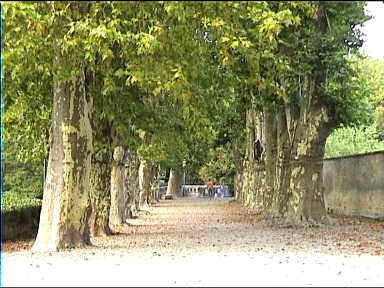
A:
[198,235]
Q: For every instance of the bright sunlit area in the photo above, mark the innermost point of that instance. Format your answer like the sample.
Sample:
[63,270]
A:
[374,40]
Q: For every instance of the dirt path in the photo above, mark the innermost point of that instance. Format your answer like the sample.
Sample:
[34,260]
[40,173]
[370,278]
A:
[210,242]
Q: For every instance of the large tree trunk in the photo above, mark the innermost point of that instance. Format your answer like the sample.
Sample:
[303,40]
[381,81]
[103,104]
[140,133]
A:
[100,192]
[306,199]
[150,179]
[66,205]
[247,182]
[254,167]
[239,168]
[306,193]
[132,178]
[147,174]
[119,197]
[270,131]
[153,176]
[283,164]
[238,185]
[250,135]
[174,183]
[144,182]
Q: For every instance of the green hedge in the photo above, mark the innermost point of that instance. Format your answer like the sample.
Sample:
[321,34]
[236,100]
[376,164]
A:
[23,185]
[20,215]
[15,201]
[21,200]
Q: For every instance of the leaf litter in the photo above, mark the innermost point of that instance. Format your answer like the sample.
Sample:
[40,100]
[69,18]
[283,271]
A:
[201,225]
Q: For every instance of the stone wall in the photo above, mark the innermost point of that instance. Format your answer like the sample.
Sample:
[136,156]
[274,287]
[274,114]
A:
[354,185]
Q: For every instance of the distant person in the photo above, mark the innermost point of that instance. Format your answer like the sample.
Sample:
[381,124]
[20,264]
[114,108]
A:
[210,188]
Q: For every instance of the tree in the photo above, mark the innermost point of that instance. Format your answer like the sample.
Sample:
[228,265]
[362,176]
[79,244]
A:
[370,83]
[28,82]
[66,206]
[363,133]
[319,113]
[307,114]
[294,99]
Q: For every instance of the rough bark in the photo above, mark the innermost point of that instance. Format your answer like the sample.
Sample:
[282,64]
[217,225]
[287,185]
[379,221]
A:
[118,210]
[250,135]
[306,192]
[306,199]
[153,176]
[132,183]
[147,175]
[66,205]
[238,185]
[253,182]
[270,131]
[283,167]
[100,192]
[238,190]
[248,185]
[144,182]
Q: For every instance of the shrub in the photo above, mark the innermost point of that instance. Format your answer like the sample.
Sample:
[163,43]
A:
[346,141]
[17,201]
[24,178]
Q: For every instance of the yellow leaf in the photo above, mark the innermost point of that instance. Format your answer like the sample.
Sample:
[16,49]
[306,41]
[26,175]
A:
[224,39]
[235,44]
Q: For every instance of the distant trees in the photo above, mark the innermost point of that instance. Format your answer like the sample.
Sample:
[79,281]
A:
[365,134]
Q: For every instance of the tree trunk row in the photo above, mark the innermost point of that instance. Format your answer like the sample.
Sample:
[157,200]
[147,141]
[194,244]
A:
[287,181]
[85,193]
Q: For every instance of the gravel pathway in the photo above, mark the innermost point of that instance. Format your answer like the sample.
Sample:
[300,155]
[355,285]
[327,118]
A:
[210,242]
